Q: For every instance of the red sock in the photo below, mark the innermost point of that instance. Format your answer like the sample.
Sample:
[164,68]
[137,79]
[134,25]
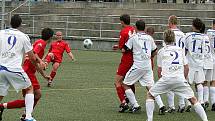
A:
[53,74]
[132,88]
[121,93]
[16,104]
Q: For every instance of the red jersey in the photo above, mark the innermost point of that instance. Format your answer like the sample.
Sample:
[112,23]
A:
[124,36]
[39,49]
[58,47]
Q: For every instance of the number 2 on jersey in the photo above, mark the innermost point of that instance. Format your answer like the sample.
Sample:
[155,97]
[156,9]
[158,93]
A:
[174,54]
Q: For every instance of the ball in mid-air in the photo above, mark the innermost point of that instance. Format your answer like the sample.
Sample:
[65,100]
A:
[87,43]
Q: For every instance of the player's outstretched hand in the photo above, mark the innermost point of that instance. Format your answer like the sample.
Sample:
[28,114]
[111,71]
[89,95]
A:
[115,47]
[47,77]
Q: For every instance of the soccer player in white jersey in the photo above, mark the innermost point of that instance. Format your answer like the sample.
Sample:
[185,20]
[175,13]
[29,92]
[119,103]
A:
[143,47]
[13,45]
[211,34]
[179,37]
[172,71]
[194,44]
[207,67]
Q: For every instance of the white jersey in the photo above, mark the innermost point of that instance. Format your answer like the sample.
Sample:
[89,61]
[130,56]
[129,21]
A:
[13,45]
[172,60]
[194,44]
[141,45]
[211,34]
[179,38]
[208,59]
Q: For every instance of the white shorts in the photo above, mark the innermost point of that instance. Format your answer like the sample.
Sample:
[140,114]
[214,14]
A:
[213,76]
[196,76]
[208,74]
[177,85]
[19,80]
[145,77]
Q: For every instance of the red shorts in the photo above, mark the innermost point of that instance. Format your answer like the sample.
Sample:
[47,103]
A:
[55,59]
[34,81]
[123,68]
[30,70]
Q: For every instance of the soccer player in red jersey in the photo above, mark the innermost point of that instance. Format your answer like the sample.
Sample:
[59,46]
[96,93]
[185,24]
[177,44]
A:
[126,60]
[55,54]
[38,49]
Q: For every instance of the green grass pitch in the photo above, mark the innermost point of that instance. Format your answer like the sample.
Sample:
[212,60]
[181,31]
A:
[84,91]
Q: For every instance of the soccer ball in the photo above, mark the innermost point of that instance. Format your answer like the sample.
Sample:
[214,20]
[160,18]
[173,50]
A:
[87,43]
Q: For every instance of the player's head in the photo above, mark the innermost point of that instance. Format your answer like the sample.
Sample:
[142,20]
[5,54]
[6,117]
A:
[150,30]
[15,21]
[203,28]
[197,24]
[140,25]
[59,35]
[172,21]
[169,36]
[47,33]
[125,19]
[213,26]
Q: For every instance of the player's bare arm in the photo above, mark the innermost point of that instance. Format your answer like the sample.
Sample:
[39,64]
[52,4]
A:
[37,64]
[159,72]
[71,56]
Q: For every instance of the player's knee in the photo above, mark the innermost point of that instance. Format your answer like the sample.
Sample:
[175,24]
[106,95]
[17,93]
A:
[37,96]
[212,83]
[193,100]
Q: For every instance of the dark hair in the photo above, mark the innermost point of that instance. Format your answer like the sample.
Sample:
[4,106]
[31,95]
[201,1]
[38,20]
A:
[197,23]
[140,24]
[213,21]
[15,21]
[47,33]
[203,28]
[150,30]
[125,18]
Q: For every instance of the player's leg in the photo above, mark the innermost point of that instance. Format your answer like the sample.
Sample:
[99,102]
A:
[198,108]
[158,88]
[212,90]
[53,73]
[208,78]
[162,107]
[150,106]
[181,104]
[199,78]
[121,72]
[132,99]
[170,100]
[183,89]
[1,108]
[212,94]
[132,76]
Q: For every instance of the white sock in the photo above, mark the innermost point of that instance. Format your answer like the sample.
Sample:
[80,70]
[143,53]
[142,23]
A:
[130,95]
[212,93]
[170,99]
[181,102]
[29,103]
[200,93]
[200,111]
[159,101]
[206,93]
[150,109]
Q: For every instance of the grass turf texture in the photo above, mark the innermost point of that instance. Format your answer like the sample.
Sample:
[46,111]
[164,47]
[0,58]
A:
[84,91]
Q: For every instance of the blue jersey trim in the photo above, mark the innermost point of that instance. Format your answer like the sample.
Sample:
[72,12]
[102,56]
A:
[18,73]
